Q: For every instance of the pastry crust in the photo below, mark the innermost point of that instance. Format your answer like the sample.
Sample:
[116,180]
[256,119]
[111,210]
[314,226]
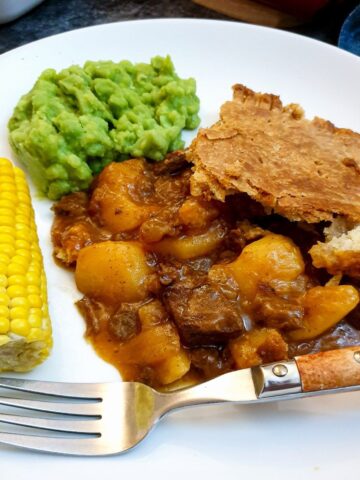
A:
[304,170]
[340,254]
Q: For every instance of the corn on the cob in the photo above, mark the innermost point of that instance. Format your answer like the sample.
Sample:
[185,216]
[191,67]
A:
[25,329]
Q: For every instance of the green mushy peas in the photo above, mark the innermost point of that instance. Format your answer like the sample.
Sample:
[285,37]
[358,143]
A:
[73,123]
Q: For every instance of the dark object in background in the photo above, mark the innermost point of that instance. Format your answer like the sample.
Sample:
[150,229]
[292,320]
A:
[349,38]
[56,16]
[12,9]
[304,9]
[273,13]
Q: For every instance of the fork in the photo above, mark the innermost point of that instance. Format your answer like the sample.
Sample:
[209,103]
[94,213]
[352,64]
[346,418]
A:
[110,418]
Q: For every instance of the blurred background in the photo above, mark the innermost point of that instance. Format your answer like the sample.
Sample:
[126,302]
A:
[23,21]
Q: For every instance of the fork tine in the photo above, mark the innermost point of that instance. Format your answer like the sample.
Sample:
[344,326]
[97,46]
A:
[67,446]
[84,409]
[73,390]
[74,426]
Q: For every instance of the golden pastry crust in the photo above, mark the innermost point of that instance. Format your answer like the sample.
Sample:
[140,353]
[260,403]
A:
[304,170]
[340,254]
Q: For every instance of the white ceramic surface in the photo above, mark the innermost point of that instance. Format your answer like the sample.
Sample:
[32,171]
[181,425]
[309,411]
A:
[303,439]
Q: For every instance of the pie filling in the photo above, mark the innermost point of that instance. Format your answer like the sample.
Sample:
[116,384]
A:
[179,289]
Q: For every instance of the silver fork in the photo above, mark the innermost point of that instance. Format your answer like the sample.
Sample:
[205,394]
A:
[110,418]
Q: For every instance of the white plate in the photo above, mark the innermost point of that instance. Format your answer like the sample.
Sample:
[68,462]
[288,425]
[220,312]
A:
[312,438]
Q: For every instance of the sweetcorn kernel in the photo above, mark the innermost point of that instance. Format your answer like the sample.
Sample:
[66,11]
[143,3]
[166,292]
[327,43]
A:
[19,312]
[35,301]
[7,187]
[33,290]
[11,196]
[19,260]
[35,269]
[16,269]
[19,302]
[22,243]
[6,238]
[35,335]
[5,203]
[4,311]
[7,228]
[6,168]
[4,299]
[7,220]
[5,164]
[23,197]
[19,173]
[3,280]
[23,230]
[22,219]
[4,258]
[22,235]
[36,255]
[23,209]
[21,187]
[35,320]
[19,326]
[7,249]
[23,253]
[4,325]
[32,279]
[16,291]
[17,280]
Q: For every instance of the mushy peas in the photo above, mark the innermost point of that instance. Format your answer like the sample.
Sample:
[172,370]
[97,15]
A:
[73,123]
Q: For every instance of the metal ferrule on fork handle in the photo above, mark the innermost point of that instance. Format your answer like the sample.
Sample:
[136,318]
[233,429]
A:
[276,379]
[317,372]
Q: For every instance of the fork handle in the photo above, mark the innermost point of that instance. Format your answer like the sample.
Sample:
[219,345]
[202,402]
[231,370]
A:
[323,372]
[327,370]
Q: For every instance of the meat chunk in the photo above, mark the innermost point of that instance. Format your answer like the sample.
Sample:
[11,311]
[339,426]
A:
[72,229]
[244,233]
[95,314]
[73,205]
[69,241]
[211,362]
[174,163]
[276,310]
[124,324]
[203,315]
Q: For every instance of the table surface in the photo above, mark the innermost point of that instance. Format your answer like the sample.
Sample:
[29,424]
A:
[56,16]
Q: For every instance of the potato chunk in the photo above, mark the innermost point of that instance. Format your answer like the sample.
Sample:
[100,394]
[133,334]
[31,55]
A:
[324,308]
[173,368]
[272,258]
[258,346]
[191,246]
[151,346]
[196,213]
[157,345]
[113,272]
[111,201]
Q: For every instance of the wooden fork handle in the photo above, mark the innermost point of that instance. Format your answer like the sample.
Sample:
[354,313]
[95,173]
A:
[332,369]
